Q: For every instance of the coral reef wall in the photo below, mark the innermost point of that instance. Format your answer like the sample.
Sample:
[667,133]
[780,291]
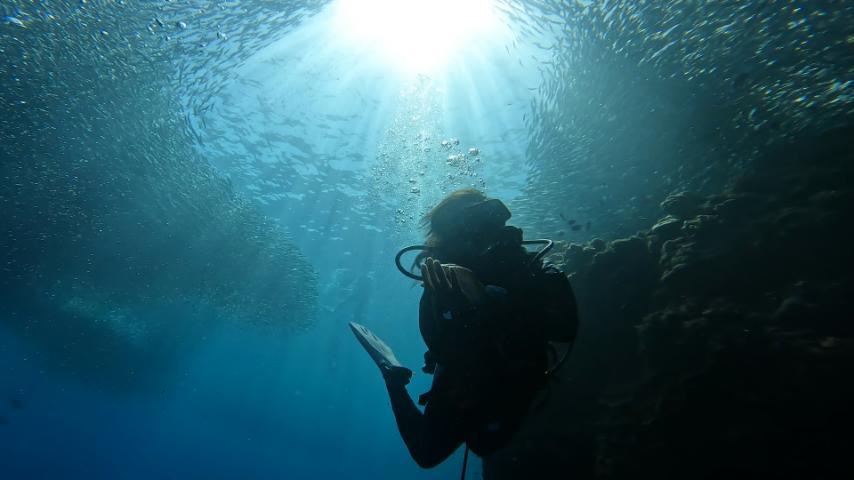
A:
[718,343]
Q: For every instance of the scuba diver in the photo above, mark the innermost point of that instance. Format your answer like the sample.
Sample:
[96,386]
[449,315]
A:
[489,310]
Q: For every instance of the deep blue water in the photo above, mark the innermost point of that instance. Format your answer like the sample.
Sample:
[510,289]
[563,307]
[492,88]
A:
[238,405]
[198,196]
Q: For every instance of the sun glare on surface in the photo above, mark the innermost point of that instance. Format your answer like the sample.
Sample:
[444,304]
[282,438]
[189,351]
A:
[417,36]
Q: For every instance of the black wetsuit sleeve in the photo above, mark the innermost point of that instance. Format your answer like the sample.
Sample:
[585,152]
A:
[430,437]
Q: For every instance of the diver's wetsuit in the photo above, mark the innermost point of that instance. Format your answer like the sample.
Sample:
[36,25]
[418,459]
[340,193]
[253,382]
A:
[489,362]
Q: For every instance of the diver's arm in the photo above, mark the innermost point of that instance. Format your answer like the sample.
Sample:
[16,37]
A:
[430,437]
[444,297]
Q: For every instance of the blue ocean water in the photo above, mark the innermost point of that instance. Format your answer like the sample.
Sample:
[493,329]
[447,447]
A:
[198,196]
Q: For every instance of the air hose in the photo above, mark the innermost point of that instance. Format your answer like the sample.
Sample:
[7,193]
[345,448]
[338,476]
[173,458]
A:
[539,256]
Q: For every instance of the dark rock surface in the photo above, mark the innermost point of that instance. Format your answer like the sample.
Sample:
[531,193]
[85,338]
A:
[719,343]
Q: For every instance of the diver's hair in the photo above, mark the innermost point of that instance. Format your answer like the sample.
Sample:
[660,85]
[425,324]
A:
[453,201]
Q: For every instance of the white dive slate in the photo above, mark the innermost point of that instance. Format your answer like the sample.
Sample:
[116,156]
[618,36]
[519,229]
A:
[381,353]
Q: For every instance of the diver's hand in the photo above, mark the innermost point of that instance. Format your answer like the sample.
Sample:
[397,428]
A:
[441,281]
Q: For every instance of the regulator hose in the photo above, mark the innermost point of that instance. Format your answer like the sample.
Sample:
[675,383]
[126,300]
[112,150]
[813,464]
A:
[539,256]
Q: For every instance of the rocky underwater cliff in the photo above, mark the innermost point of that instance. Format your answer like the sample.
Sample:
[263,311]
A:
[718,342]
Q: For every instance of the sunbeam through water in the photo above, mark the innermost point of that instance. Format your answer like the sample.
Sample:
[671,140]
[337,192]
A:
[199,196]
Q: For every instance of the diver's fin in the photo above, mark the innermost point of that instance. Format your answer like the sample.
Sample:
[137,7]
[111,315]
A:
[376,348]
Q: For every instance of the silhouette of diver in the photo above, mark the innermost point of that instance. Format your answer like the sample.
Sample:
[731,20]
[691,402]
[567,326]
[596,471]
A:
[487,314]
